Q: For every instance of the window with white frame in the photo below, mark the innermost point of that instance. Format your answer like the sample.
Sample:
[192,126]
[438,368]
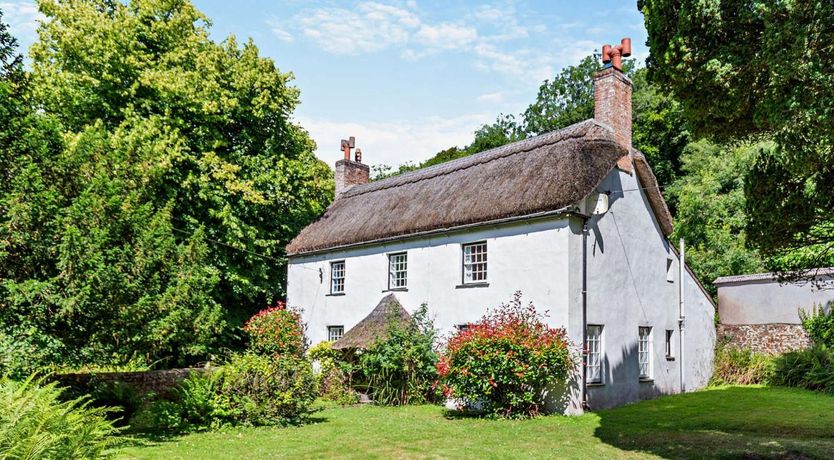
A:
[644,352]
[594,346]
[669,351]
[337,277]
[335,333]
[397,270]
[475,262]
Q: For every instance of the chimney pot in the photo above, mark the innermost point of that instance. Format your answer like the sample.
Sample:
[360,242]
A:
[612,97]
[348,172]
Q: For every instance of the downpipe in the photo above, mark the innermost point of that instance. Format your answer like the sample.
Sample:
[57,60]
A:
[585,314]
[682,316]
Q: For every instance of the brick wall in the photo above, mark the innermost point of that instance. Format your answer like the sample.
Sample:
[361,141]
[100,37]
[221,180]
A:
[765,338]
[350,173]
[612,106]
[159,382]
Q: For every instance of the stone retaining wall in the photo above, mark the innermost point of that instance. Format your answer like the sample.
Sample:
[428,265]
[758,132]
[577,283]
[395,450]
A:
[764,338]
[159,382]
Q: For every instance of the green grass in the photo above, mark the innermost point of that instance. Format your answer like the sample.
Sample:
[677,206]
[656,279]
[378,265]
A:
[730,422]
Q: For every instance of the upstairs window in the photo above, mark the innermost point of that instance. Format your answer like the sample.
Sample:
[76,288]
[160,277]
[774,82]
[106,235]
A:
[335,333]
[398,271]
[644,352]
[475,262]
[337,277]
[594,346]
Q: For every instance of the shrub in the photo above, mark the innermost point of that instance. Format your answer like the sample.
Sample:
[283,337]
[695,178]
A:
[812,368]
[740,366]
[36,423]
[333,375]
[819,324]
[506,362]
[400,367]
[268,390]
[276,331]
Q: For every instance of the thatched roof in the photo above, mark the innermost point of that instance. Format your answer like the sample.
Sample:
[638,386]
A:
[541,174]
[375,325]
[648,182]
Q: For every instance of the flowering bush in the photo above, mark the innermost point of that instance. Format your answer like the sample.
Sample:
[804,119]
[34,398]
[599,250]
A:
[276,331]
[506,362]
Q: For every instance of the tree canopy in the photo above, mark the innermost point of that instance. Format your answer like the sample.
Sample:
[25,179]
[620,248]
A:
[759,68]
[148,215]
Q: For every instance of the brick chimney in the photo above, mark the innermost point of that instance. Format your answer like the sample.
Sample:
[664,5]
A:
[350,172]
[612,97]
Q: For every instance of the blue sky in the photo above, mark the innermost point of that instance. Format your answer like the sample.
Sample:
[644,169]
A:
[409,78]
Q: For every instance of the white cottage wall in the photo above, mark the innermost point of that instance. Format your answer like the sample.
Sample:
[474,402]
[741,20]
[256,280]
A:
[531,256]
[633,278]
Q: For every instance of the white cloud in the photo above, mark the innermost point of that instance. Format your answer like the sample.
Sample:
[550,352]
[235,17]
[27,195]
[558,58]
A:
[394,142]
[368,28]
[279,31]
[492,98]
[22,18]
[446,36]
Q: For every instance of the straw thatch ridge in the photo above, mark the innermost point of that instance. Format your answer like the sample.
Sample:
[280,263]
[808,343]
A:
[648,182]
[544,173]
[375,325]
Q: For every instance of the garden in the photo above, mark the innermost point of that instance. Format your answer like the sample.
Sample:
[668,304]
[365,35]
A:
[281,398]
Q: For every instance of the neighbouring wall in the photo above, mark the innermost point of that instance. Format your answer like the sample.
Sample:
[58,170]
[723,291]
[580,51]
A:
[158,382]
[765,338]
[762,314]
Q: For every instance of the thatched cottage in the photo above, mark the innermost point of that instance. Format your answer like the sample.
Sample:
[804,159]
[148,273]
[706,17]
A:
[573,218]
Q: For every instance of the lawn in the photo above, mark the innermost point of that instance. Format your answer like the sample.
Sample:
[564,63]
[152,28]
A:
[731,422]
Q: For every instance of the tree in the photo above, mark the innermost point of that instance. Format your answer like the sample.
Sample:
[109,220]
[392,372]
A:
[711,209]
[160,223]
[660,130]
[759,68]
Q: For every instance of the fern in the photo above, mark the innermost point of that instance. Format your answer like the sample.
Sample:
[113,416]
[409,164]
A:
[36,424]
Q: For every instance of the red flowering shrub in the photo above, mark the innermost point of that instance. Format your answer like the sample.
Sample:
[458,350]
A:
[505,362]
[276,331]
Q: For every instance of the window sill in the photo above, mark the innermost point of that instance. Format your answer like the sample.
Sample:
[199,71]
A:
[398,289]
[646,380]
[670,358]
[594,384]
[471,285]
[334,294]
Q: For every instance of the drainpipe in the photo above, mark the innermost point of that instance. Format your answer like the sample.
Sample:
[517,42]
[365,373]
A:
[682,318]
[584,313]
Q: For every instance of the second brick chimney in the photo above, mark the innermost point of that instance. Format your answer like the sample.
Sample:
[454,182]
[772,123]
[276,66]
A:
[612,97]
[350,172]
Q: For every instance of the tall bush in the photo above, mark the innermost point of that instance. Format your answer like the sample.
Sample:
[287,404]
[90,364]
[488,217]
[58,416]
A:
[819,324]
[268,390]
[35,422]
[506,362]
[740,366]
[276,331]
[333,374]
[812,368]
[400,367]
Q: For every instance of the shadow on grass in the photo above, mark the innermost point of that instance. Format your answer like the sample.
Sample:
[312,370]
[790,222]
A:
[730,422]
[147,439]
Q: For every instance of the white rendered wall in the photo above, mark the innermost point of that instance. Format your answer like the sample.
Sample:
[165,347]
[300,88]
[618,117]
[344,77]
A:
[629,287]
[531,257]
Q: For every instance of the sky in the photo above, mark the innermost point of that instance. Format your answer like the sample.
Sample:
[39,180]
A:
[408,78]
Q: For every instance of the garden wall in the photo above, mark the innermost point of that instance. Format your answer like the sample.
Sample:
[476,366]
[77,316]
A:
[765,338]
[159,382]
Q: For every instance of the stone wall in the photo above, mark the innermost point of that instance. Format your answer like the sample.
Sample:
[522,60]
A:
[159,382]
[764,338]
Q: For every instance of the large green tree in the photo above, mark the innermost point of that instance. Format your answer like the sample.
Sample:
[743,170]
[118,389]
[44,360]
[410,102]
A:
[659,129]
[711,209]
[760,68]
[156,222]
